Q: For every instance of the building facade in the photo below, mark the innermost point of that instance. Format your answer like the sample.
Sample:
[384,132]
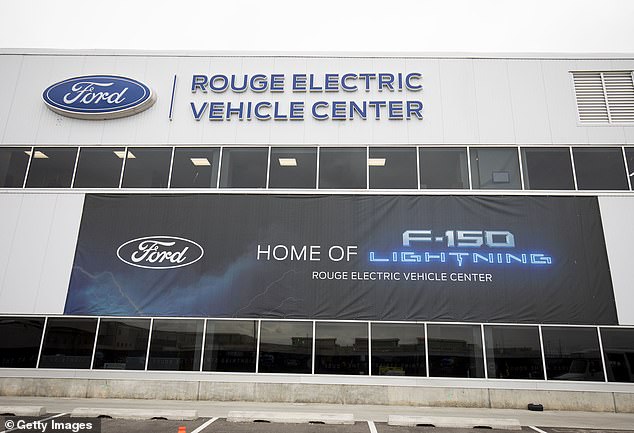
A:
[424,230]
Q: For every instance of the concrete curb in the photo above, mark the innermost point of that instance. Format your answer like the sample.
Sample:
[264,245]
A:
[291,418]
[454,422]
[121,413]
[23,410]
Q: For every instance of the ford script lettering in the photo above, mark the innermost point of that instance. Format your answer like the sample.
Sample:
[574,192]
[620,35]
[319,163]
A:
[98,97]
[160,252]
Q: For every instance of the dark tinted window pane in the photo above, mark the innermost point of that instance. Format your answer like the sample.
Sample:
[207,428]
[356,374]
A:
[455,351]
[547,168]
[122,344]
[393,168]
[341,348]
[52,167]
[230,345]
[442,168]
[293,168]
[244,168]
[286,347]
[618,349]
[513,352]
[342,168]
[572,353]
[629,155]
[13,162]
[68,343]
[20,339]
[176,345]
[195,167]
[99,168]
[495,168]
[147,167]
[398,349]
[600,168]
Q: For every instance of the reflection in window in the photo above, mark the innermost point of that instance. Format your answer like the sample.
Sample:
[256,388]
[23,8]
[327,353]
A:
[342,168]
[244,167]
[195,167]
[546,168]
[601,169]
[99,167]
[68,343]
[495,168]
[52,167]
[13,162]
[443,168]
[398,349]
[176,345]
[572,353]
[341,348]
[230,345]
[513,352]
[455,351]
[293,167]
[618,350]
[147,167]
[285,347]
[392,168]
[122,344]
[629,156]
[20,339]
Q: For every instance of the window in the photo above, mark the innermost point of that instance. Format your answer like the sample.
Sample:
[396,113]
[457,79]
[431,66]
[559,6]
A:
[341,348]
[547,169]
[285,347]
[342,168]
[99,167]
[122,344]
[513,352]
[572,353]
[398,349]
[604,97]
[13,162]
[195,167]
[230,345]
[443,168]
[455,351]
[495,168]
[52,167]
[618,352]
[244,167]
[629,156]
[293,167]
[147,167]
[176,345]
[392,168]
[68,343]
[20,339]
[601,169]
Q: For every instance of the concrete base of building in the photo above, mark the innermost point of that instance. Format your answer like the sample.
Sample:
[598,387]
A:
[598,401]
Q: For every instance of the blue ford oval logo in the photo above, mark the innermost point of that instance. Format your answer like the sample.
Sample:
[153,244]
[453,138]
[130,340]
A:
[98,97]
[160,252]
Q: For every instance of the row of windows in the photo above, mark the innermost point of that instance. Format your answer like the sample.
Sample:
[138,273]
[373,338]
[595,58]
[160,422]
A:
[321,347]
[500,168]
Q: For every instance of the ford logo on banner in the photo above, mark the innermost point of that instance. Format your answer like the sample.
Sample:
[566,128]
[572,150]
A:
[98,97]
[160,252]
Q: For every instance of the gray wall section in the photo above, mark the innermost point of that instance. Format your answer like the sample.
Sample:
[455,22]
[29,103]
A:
[38,235]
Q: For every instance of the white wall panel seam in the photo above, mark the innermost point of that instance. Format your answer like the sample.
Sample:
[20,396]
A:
[441,111]
[543,80]
[15,88]
[475,105]
[10,245]
[46,254]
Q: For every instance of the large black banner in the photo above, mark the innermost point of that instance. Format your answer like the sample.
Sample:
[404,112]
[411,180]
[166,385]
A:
[453,258]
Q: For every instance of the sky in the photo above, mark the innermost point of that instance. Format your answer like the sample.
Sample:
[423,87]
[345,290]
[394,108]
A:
[423,26]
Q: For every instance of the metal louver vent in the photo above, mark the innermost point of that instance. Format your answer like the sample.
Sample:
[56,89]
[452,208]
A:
[604,97]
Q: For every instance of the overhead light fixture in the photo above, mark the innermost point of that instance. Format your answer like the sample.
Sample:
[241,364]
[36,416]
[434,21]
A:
[288,162]
[200,162]
[376,162]
[631,174]
[121,154]
[37,154]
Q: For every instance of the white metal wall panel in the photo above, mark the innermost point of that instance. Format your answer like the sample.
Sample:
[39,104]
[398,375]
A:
[386,131]
[10,206]
[431,129]
[459,109]
[41,253]
[616,215]
[10,67]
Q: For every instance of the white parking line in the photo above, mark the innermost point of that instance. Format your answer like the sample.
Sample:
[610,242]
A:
[204,426]
[44,419]
[538,430]
[372,427]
